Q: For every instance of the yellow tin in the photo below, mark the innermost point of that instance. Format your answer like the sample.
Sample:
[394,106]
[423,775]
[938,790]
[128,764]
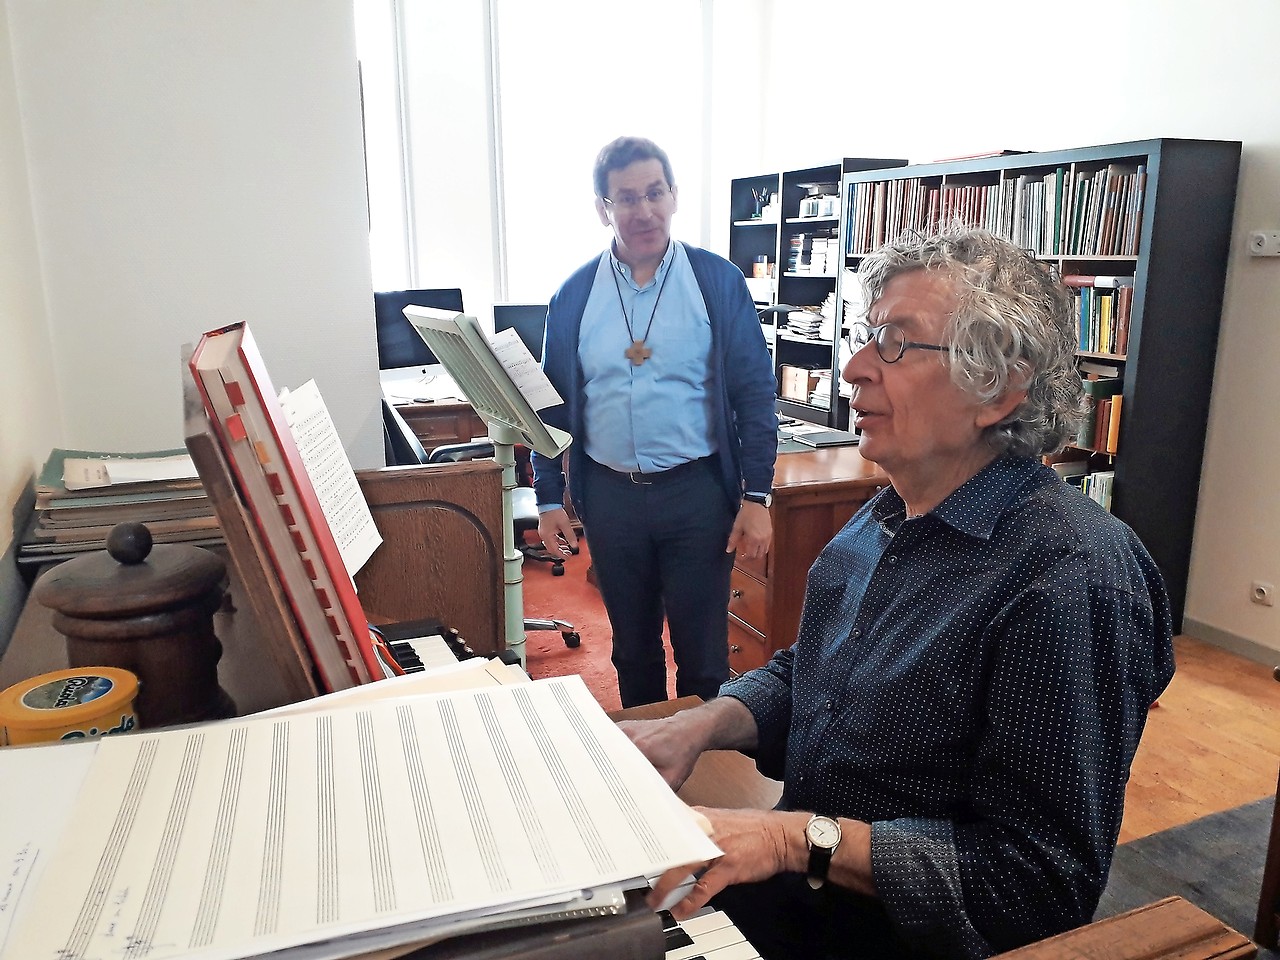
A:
[68,705]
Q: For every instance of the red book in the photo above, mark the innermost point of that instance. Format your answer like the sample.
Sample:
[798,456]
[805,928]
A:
[255,437]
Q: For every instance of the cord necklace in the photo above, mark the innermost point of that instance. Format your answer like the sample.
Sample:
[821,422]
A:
[638,353]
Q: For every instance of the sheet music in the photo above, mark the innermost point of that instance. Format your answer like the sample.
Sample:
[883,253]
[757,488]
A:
[45,782]
[341,499]
[526,373]
[238,838]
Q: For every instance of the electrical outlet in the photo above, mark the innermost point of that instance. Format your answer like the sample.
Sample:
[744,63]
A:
[1264,243]
[1262,593]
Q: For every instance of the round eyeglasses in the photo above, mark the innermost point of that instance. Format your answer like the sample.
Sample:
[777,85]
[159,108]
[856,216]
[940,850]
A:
[891,342]
[632,201]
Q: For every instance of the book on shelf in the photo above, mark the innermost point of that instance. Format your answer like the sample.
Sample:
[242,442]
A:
[1113,425]
[255,437]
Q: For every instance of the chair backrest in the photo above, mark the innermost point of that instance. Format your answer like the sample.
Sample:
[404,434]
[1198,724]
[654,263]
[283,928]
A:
[403,446]
[457,452]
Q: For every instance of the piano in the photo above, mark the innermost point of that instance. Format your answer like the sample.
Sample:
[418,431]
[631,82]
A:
[708,935]
[418,645]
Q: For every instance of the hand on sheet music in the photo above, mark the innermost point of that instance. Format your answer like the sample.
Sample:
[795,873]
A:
[752,531]
[757,844]
[673,744]
[667,745]
[556,530]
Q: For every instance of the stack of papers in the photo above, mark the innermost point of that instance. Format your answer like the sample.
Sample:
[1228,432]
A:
[336,827]
[82,494]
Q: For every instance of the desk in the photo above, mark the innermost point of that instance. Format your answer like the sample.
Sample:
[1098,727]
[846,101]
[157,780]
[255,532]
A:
[441,556]
[814,495]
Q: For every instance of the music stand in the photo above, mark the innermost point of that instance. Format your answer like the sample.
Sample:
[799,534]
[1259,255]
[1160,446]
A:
[458,342]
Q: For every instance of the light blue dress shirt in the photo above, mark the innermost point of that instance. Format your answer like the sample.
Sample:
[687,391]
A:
[657,415]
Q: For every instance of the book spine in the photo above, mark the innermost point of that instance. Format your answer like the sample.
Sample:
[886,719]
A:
[1113,425]
[310,529]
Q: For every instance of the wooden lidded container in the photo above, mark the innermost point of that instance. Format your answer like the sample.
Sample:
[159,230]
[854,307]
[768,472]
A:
[148,610]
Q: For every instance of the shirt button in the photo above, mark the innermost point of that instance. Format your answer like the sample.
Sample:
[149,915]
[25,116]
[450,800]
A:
[893,558]
[831,704]
[855,633]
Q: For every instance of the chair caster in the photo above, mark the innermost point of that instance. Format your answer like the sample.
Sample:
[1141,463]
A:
[558,570]
[572,640]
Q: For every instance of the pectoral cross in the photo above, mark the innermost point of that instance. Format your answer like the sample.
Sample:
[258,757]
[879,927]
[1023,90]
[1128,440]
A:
[638,353]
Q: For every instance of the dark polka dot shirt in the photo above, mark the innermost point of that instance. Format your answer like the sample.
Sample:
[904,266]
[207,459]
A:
[973,683]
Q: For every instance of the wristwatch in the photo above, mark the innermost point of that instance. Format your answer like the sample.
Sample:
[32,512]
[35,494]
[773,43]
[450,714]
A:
[823,836]
[764,499]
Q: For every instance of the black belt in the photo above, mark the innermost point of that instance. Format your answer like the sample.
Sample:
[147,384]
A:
[660,476]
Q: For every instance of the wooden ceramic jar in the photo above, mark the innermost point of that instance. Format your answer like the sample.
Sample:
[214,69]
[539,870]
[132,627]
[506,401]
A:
[148,610]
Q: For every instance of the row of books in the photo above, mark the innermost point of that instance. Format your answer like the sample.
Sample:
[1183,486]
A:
[1059,213]
[1095,484]
[812,253]
[1103,307]
[82,494]
[1100,429]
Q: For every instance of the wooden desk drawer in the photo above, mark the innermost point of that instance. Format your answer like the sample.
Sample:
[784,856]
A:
[747,601]
[435,428]
[758,568]
[746,647]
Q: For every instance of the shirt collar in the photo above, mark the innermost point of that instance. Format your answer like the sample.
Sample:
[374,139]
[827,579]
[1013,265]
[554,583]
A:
[975,507]
[625,271]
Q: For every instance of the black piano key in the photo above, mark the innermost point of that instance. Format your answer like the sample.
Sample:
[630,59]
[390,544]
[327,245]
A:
[677,938]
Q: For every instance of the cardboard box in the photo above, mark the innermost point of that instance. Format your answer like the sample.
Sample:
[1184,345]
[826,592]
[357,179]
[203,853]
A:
[796,382]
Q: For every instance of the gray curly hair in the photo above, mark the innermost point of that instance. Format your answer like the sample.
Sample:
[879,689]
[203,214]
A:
[1013,329]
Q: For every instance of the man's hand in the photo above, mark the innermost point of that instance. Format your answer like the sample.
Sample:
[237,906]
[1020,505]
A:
[556,531]
[673,744]
[757,844]
[752,531]
[667,744]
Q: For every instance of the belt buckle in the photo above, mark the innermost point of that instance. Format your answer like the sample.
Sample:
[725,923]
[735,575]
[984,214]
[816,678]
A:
[637,478]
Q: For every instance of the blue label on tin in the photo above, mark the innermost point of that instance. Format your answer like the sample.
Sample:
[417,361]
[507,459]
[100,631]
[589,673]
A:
[69,692]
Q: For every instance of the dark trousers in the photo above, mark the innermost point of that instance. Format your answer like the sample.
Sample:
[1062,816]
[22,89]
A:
[658,548]
[785,919]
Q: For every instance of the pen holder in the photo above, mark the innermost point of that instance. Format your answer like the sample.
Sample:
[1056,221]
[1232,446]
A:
[148,610]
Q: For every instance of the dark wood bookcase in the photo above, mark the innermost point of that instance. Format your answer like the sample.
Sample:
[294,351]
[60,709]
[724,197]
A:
[1177,207]
[805,203]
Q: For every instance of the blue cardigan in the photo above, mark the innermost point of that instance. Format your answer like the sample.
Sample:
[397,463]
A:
[746,427]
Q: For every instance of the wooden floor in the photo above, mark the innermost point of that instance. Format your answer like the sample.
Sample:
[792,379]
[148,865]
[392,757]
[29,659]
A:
[1213,742]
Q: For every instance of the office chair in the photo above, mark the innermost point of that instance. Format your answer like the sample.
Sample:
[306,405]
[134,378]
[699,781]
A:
[403,448]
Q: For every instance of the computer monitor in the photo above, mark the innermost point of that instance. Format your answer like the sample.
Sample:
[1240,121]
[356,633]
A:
[529,320]
[398,343]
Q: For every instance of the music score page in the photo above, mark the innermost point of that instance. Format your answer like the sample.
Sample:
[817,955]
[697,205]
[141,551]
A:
[242,837]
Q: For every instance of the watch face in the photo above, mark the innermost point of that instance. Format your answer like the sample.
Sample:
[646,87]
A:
[823,832]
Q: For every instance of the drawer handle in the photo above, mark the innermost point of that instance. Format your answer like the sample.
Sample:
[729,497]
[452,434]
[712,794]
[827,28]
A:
[734,648]
[735,594]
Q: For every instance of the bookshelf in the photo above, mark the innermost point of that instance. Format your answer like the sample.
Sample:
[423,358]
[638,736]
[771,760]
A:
[1154,216]
[789,250]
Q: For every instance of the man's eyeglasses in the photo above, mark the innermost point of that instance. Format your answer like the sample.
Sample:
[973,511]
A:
[632,201]
[891,342]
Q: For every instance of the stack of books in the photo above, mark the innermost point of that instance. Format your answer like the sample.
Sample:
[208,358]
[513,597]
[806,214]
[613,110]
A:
[82,494]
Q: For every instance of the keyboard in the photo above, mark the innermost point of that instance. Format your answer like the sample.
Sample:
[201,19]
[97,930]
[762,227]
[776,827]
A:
[415,654]
[707,935]
[418,645]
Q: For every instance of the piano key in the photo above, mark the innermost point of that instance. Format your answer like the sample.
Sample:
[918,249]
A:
[429,652]
[707,935]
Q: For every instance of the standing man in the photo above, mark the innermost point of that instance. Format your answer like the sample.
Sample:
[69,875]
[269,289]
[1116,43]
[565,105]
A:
[669,396]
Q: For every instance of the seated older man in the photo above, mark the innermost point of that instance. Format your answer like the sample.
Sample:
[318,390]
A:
[977,652]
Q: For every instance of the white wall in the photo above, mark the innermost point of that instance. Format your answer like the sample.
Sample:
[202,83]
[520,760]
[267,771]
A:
[938,80]
[191,164]
[29,409]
